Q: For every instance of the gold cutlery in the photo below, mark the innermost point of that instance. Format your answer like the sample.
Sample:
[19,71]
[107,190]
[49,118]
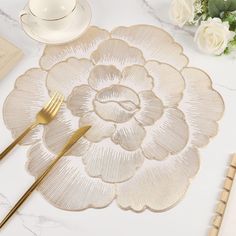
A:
[74,138]
[44,116]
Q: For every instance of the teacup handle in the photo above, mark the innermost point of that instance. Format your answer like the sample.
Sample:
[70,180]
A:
[23,14]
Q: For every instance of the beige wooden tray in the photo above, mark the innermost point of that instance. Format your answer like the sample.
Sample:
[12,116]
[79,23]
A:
[224,199]
[9,56]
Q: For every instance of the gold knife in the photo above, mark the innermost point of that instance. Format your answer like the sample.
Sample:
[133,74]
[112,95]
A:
[74,138]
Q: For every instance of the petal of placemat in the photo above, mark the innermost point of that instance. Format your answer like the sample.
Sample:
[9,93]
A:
[159,185]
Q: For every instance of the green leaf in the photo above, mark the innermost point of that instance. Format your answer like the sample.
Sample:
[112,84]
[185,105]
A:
[216,7]
[231,46]
[230,17]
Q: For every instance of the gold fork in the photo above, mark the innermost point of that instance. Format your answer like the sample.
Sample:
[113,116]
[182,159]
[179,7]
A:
[74,138]
[44,116]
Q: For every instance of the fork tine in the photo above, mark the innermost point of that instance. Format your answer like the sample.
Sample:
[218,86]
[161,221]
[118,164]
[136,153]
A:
[55,108]
[50,101]
[53,101]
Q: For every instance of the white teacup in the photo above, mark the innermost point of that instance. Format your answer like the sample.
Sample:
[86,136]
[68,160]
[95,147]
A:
[51,14]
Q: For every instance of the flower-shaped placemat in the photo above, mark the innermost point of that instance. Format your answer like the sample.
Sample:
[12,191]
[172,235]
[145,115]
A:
[149,113]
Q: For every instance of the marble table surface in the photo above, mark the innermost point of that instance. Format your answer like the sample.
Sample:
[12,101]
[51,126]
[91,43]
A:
[192,217]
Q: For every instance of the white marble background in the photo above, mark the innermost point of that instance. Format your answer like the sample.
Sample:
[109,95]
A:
[193,215]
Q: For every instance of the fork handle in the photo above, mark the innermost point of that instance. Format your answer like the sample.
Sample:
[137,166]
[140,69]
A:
[13,144]
[29,191]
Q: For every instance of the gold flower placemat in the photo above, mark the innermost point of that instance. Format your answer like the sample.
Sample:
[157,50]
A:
[9,56]
[149,113]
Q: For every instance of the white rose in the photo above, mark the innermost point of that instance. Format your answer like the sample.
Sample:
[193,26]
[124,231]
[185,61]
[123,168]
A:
[182,12]
[213,36]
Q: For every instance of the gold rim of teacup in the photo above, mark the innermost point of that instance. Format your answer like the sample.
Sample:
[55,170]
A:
[76,4]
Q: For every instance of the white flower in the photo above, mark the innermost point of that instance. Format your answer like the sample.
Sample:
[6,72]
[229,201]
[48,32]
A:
[213,36]
[198,7]
[182,12]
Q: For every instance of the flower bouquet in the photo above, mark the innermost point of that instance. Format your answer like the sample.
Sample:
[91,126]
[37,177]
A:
[216,21]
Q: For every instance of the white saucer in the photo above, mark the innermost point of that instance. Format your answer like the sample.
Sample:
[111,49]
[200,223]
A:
[62,36]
